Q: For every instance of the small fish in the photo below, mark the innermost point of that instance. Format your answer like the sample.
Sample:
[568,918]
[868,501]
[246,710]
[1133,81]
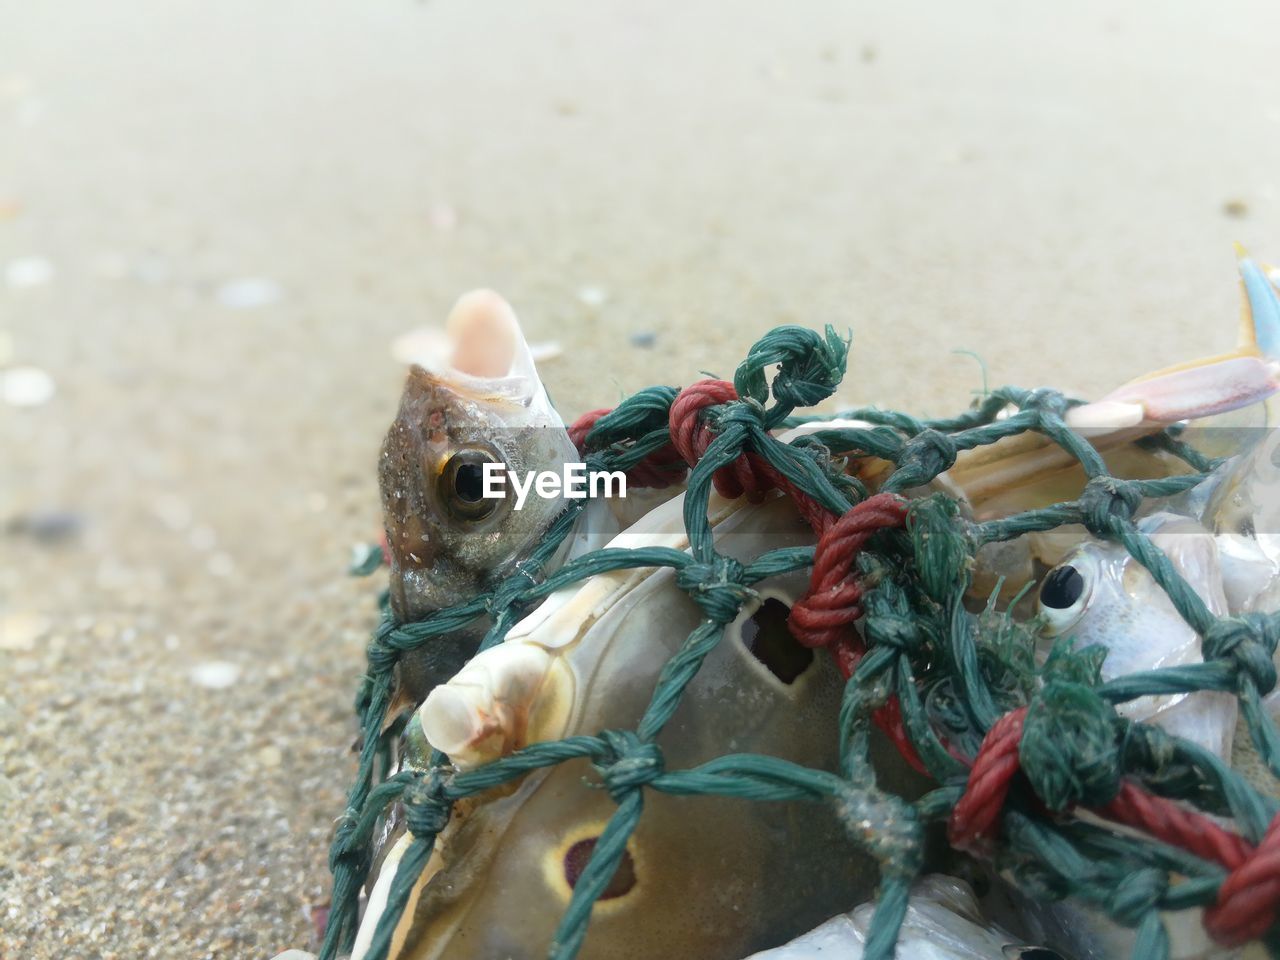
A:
[1223,537]
[480,401]
[1101,595]
[942,923]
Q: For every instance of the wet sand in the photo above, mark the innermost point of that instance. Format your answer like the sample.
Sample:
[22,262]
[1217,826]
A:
[1057,193]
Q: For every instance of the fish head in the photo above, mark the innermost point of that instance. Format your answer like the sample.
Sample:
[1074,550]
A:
[1101,595]
[476,407]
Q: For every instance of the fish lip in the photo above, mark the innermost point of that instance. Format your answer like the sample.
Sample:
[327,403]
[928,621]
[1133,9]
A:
[515,388]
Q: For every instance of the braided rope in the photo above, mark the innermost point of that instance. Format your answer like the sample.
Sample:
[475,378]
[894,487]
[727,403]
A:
[1045,740]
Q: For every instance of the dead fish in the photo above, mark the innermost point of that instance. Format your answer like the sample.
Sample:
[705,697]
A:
[1223,538]
[1101,595]
[943,922]
[480,402]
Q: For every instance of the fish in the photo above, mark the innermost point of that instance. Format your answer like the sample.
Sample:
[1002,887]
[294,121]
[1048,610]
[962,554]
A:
[1100,595]
[1223,537]
[478,401]
[943,922]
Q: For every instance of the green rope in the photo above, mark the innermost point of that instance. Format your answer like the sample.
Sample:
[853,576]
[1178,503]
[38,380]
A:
[953,672]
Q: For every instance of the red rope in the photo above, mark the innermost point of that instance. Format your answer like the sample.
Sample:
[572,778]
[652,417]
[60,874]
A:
[821,618]
[974,819]
[1177,826]
[691,435]
[825,615]
[1248,900]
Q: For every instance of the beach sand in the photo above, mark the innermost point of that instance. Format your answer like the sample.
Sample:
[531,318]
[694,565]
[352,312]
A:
[214,219]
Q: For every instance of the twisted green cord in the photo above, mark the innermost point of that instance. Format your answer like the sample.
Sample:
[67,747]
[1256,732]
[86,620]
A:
[921,639]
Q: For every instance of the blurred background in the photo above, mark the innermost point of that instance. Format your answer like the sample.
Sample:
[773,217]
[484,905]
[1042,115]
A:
[215,220]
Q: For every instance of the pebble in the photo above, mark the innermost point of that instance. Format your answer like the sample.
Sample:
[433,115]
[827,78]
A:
[26,272]
[644,339]
[48,526]
[249,293]
[20,631]
[593,296]
[26,387]
[270,756]
[215,674]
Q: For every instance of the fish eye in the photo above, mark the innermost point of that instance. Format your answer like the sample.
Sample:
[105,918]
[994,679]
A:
[1064,592]
[461,485]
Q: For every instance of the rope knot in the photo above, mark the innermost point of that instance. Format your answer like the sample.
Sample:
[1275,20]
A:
[1068,749]
[427,805]
[1045,402]
[810,367]
[890,620]
[628,763]
[923,457]
[748,411]
[716,587]
[941,544]
[1249,642]
[1107,501]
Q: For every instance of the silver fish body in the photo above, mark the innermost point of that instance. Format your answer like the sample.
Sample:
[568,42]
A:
[943,922]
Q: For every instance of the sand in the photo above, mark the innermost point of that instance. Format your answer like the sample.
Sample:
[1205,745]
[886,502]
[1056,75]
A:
[215,218]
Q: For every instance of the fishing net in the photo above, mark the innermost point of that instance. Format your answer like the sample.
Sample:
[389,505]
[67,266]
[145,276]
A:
[1017,749]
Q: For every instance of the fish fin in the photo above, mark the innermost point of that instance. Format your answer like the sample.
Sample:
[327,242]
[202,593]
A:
[486,337]
[1260,315]
[1194,390]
